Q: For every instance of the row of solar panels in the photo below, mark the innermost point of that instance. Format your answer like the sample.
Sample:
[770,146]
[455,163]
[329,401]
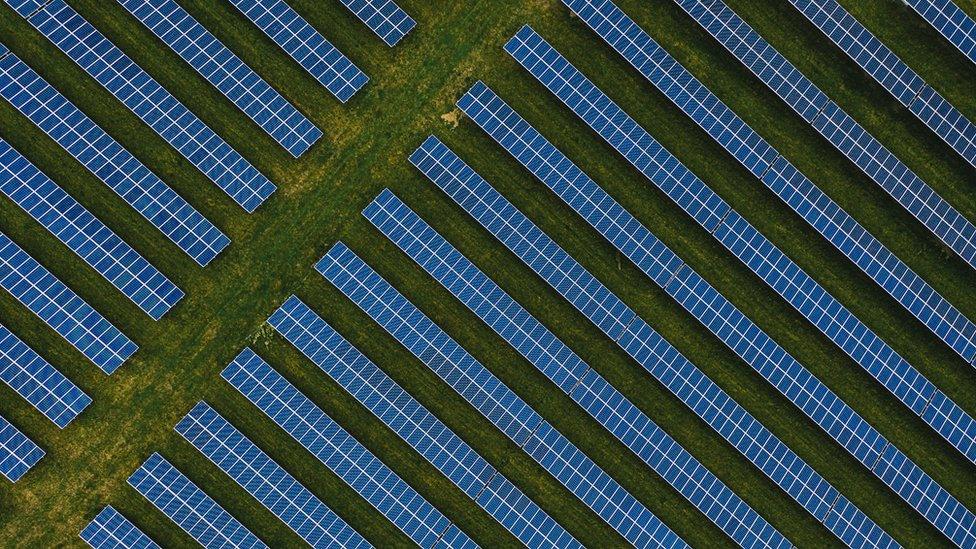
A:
[101,248]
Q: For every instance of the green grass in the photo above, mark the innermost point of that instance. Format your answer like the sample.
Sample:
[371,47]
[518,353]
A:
[365,149]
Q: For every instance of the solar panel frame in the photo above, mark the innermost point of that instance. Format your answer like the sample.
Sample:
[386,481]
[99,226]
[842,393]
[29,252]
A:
[258,473]
[338,450]
[189,507]
[951,22]
[111,530]
[108,161]
[227,72]
[86,235]
[293,34]
[61,309]
[383,17]
[18,453]
[151,102]
[39,383]
[418,427]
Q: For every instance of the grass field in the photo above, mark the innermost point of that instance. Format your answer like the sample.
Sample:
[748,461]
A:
[365,149]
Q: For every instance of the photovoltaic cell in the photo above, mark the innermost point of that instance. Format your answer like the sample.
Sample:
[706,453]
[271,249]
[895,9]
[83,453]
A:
[107,160]
[110,530]
[839,128]
[573,376]
[951,22]
[62,309]
[222,68]
[264,479]
[634,240]
[17,452]
[642,343]
[145,97]
[892,73]
[419,428]
[38,382]
[340,451]
[85,234]
[189,507]
[662,169]
[305,45]
[383,17]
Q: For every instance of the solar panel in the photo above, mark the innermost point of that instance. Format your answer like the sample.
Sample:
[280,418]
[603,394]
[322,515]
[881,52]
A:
[839,128]
[419,428]
[662,169]
[62,309]
[305,45]
[892,73]
[110,530]
[640,341]
[85,234]
[383,17]
[222,68]
[145,97]
[107,160]
[635,241]
[340,451]
[17,452]
[39,383]
[264,479]
[189,507]
[951,22]
[576,378]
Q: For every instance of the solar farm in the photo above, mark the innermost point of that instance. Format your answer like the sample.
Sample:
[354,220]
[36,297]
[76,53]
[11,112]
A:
[494,273]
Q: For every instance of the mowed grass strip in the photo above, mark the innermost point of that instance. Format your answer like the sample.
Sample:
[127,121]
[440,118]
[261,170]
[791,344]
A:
[365,149]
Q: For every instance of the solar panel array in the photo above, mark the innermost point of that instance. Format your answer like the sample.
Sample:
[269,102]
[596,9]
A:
[658,165]
[305,45]
[490,396]
[107,160]
[419,428]
[644,345]
[264,479]
[39,383]
[85,234]
[951,22]
[222,68]
[892,73]
[383,17]
[842,131]
[632,238]
[573,376]
[110,530]
[341,452]
[145,97]
[62,309]
[17,452]
[189,507]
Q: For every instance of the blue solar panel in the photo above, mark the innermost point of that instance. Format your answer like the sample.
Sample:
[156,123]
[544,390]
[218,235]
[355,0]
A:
[638,339]
[248,91]
[419,428]
[842,131]
[951,22]
[340,451]
[111,530]
[892,73]
[62,309]
[264,479]
[305,45]
[107,160]
[162,112]
[564,368]
[189,507]
[38,382]
[17,452]
[664,170]
[85,234]
[383,17]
